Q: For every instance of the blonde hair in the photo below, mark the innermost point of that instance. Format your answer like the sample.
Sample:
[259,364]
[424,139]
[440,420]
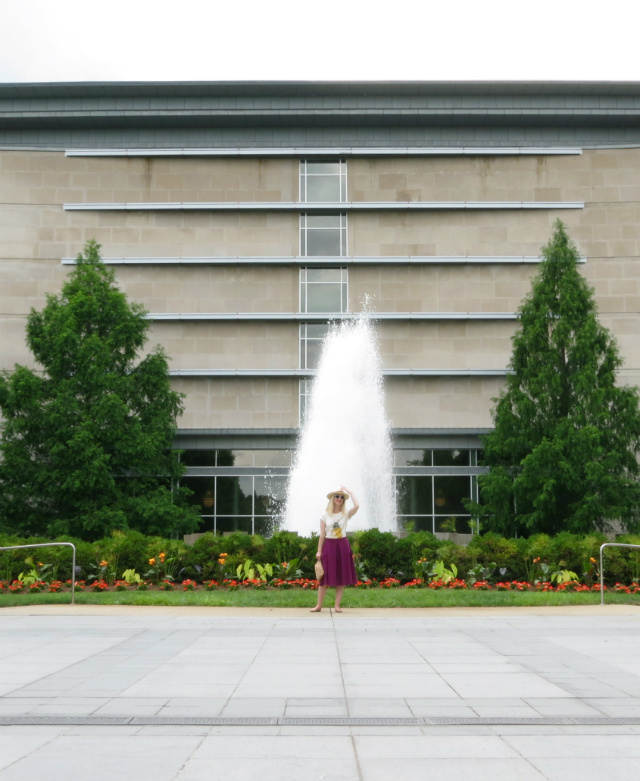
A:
[330,506]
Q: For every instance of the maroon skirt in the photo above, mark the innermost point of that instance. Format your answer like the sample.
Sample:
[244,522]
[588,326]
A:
[339,569]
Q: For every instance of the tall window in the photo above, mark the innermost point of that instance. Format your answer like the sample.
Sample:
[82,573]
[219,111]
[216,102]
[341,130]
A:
[311,338]
[323,235]
[323,182]
[323,290]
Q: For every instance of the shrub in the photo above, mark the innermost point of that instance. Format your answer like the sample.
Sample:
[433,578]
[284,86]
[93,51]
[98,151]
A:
[493,548]
[378,553]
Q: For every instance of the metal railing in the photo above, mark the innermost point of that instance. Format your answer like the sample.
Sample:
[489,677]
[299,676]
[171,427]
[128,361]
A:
[602,547]
[51,545]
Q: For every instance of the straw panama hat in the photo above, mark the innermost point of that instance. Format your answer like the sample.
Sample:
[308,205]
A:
[331,494]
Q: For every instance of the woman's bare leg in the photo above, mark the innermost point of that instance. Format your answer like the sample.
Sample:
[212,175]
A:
[322,590]
[339,593]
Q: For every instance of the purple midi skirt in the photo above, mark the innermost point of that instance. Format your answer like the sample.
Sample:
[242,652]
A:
[339,569]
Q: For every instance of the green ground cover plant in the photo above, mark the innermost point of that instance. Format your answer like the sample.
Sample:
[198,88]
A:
[299,598]
[131,562]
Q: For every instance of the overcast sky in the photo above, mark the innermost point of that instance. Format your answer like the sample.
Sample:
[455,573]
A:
[221,40]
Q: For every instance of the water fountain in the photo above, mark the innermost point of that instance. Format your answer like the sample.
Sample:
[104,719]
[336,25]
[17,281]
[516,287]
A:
[345,437]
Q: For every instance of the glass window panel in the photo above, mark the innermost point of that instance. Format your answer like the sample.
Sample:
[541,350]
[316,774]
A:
[270,495]
[449,493]
[416,523]
[323,189]
[225,458]
[272,458]
[265,525]
[234,496]
[323,168]
[241,457]
[323,242]
[203,492]
[461,524]
[414,495]
[323,221]
[451,458]
[229,525]
[198,457]
[412,457]
[324,275]
[313,353]
[317,330]
[323,297]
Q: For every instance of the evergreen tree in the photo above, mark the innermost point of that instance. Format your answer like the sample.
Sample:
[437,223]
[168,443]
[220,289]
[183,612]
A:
[86,440]
[563,454]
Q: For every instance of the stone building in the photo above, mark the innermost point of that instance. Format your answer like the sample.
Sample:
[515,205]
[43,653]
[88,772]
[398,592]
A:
[246,216]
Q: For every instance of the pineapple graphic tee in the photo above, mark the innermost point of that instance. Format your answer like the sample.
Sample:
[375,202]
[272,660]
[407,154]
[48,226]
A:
[336,524]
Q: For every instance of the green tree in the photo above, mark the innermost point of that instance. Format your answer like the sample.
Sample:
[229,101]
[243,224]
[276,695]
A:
[86,439]
[563,453]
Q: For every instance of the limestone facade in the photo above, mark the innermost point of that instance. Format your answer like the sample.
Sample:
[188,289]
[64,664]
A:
[221,278]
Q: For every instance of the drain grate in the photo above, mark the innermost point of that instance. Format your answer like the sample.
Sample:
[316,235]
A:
[328,721]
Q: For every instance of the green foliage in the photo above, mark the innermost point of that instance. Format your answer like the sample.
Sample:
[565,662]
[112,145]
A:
[563,454]
[442,573]
[377,551]
[502,553]
[86,439]
[131,577]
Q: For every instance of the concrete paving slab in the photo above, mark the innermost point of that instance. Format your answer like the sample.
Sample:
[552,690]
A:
[310,678]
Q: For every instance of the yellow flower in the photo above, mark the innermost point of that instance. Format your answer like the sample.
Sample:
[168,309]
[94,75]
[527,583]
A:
[152,562]
[104,563]
[593,561]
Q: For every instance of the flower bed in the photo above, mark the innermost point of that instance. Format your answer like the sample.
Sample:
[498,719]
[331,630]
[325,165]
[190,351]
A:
[279,584]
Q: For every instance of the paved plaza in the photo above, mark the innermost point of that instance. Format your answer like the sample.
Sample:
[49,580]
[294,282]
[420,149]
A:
[183,694]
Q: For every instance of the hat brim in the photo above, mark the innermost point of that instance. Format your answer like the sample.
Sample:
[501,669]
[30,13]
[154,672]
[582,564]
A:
[342,493]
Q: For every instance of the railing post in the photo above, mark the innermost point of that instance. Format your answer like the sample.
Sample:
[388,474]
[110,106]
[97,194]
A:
[52,545]
[602,547]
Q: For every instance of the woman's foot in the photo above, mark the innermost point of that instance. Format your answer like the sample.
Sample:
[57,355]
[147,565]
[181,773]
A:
[338,609]
[315,609]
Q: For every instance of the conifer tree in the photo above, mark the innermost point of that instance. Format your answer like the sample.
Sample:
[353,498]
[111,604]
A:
[86,439]
[563,453]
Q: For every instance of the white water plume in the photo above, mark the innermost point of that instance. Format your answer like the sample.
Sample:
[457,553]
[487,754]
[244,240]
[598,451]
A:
[345,438]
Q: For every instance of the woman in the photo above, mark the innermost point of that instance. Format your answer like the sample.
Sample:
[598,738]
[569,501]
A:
[333,547]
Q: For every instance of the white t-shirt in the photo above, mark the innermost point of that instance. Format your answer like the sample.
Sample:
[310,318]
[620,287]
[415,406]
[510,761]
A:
[336,524]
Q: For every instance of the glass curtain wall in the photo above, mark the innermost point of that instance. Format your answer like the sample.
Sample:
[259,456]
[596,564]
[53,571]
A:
[245,490]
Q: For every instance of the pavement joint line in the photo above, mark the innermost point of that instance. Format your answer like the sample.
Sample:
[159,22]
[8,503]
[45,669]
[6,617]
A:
[329,721]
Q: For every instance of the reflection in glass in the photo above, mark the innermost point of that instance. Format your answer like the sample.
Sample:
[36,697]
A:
[270,494]
[234,496]
[198,457]
[414,495]
[461,524]
[416,523]
[448,494]
[451,457]
[412,457]
[227,525]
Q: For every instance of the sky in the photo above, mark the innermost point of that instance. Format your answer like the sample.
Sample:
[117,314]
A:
[334,40]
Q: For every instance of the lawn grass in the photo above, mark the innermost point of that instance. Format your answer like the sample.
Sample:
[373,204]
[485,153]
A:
[367,598]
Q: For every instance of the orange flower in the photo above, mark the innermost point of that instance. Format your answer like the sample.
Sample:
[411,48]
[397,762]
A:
[535,561]
[104,563]
[592,560]
[152,562]
[162,556]
[221,562]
